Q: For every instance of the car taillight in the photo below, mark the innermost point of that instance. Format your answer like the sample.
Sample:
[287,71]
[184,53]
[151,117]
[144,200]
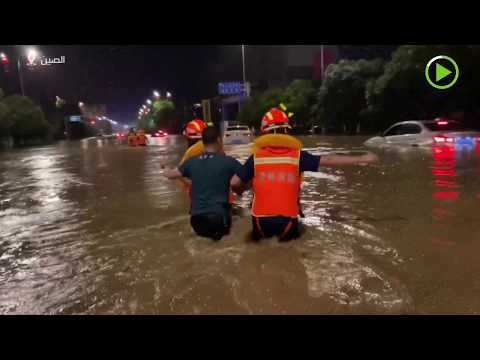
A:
[443,139]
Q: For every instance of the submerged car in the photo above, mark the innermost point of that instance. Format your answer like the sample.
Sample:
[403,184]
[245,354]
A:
[158,133]
[237,134]
[426,133]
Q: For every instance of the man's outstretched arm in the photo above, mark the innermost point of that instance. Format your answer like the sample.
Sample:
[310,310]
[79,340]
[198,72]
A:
[242,179]
[339,160]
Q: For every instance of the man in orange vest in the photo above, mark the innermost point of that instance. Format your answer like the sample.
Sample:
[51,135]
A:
[193,131]
[275,171]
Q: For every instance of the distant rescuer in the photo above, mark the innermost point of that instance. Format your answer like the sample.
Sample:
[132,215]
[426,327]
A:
[275,169]
[210,174]
[142,139]
[193,131]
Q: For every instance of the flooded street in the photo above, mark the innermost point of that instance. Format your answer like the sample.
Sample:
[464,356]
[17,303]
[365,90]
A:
[92,227]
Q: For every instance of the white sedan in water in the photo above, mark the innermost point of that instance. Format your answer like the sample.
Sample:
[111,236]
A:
[237,134]
[426,133]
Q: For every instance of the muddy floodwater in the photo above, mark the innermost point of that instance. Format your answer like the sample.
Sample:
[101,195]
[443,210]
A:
[92,227]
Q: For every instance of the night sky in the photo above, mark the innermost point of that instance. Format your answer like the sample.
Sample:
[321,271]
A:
[122,77]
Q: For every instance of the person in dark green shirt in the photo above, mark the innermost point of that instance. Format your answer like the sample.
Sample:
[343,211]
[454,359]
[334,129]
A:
[210,174]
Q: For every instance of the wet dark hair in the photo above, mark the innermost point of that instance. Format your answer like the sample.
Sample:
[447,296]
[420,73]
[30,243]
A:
[210,135]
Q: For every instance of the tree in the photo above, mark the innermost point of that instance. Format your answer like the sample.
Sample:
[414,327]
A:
[105,127]
[254,108]
[298,97]
[162,115]
[340,103]
[28,120]
[5,122]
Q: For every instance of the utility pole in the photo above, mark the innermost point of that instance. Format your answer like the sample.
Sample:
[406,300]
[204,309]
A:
[247,88]
[322,64]
[20,74]
[243,62]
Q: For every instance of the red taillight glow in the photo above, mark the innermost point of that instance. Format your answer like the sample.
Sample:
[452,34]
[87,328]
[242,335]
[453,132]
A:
[446,195]
[442,122]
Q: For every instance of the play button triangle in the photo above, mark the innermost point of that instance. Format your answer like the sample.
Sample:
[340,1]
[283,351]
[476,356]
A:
[441,72]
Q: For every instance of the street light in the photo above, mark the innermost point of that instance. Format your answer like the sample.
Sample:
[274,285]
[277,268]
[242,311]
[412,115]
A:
[31,55]
[80,104]
[169,95]
[149,102]
[156,94]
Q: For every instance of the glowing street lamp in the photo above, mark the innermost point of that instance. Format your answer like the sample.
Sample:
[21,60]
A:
[80,104]
[156,94]
[169,95]
[149,102]
[32,55]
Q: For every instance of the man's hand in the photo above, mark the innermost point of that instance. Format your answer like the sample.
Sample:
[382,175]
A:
[237,185]
[172,174]
[368,158]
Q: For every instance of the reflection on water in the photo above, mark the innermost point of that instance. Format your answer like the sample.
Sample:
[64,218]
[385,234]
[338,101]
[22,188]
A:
[92,227]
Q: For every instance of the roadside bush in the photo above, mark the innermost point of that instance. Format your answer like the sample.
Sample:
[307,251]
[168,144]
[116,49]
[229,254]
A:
[26,120]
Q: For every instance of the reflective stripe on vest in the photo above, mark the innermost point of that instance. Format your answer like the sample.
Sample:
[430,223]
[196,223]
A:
[276,183]
[196,125]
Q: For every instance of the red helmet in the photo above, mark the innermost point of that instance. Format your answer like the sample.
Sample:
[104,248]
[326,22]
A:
[274,119]
[194,129]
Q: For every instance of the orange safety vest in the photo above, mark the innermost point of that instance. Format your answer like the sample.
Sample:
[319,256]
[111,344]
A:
[141,139]
[132,140]
[276,184]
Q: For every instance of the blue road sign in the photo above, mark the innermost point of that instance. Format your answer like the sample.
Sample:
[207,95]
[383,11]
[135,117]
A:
[230,88]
